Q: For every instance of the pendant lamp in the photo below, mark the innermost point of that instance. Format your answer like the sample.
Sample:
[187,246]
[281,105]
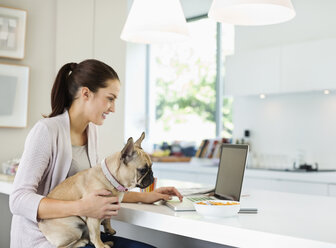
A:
[155,21]
[251,12]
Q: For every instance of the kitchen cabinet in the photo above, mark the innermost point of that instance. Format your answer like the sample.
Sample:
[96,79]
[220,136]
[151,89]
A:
[320,183]
[299,67]
[253,72]
[332,189]
[5,223]
[308,66]
[286,186]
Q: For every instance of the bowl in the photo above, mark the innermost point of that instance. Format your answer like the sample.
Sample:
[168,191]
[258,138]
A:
[217,208]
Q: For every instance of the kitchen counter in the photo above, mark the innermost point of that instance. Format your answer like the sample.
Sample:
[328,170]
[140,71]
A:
[6,184]
[312,177]
[283,220]
[6,187]
[314,183]
[315,177]
[206,174]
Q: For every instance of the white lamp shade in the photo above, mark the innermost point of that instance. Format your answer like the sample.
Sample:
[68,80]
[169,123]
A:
[251,12]
[155,21]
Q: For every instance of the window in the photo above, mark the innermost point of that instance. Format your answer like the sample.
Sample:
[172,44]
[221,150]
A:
[183,83]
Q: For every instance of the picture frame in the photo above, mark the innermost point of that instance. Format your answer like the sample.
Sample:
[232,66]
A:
[12,32]
[14,85]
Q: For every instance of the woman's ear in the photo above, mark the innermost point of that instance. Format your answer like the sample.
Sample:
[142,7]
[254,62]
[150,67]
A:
[85,93]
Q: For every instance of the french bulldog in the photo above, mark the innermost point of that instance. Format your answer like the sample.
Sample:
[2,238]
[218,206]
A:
[122,171]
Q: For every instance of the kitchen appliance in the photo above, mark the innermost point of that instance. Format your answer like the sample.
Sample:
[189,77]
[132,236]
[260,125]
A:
[308,168]
[304,168]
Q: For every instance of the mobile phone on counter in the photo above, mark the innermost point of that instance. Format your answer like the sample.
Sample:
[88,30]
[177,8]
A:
[248,211]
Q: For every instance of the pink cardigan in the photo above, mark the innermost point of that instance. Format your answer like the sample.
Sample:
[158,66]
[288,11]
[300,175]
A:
[44,164]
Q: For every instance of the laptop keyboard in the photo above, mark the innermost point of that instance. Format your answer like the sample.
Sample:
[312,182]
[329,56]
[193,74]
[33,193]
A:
[199,198]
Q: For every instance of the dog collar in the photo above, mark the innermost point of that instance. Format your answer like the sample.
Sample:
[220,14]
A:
[111,178]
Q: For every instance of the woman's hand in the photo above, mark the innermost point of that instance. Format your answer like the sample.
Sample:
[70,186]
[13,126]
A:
[99,204]
[163,193]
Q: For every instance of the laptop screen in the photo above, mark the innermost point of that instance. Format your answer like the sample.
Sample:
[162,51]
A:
[231,171]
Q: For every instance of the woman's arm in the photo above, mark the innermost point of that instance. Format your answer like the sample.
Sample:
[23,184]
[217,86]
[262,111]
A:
[24,199]
[95,205]
[51,208]
[163,193]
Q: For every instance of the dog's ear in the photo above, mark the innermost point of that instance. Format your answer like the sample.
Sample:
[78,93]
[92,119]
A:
[127,151]
[138,142]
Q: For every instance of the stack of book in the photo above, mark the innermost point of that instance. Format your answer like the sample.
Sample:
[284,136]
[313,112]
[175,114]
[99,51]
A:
[210,148]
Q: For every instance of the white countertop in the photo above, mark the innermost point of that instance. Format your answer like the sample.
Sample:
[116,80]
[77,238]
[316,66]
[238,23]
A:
[283,220]
[311,177]
[314,177]
[6,187]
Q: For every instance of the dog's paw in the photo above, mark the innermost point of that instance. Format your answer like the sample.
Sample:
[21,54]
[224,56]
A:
[108,244]
[81,243]
[111,231]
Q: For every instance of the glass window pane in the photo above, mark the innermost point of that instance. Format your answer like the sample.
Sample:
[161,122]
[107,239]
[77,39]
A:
[183,81]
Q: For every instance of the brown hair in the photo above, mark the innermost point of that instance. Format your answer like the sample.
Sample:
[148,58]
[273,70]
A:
[90,73]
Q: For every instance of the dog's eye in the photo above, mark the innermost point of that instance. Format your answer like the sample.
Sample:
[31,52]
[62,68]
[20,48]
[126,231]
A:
[143,170]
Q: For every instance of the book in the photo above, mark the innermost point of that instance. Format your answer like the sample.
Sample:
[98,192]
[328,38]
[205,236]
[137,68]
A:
[204,149]
[198,153]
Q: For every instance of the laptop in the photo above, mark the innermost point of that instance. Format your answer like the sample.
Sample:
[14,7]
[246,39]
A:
[229,180]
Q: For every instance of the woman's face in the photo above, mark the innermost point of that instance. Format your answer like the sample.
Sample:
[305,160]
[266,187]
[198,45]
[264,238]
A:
[102,102]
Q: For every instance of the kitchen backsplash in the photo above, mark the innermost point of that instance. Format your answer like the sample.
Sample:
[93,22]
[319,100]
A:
[288,128]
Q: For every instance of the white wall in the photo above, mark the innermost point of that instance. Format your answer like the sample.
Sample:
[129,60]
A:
[93,32]
[284,127]
[56,34]
[110,19]
[40,57]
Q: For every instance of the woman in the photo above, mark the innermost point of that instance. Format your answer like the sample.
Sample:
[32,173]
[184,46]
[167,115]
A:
[64,143]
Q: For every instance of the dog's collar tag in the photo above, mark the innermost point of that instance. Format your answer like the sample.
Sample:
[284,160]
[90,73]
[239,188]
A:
[111,178]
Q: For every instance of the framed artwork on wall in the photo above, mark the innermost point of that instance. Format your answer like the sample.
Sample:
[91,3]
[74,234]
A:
[14,82]
[12,32]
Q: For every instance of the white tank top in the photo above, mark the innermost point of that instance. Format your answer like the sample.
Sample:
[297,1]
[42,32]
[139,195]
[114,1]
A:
[80,160]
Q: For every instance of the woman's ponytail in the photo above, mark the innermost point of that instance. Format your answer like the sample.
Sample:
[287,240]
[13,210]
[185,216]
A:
[59,93]
[90,73]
